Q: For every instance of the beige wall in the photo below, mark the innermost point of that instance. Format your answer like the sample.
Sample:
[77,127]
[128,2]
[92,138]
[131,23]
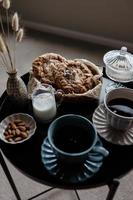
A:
[107,18]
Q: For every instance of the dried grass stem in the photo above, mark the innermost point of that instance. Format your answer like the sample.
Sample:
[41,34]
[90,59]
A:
[20,35]
[7,57]
[15,22]
[6,4]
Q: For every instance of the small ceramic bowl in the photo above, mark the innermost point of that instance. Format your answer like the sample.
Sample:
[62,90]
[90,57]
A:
[30,126]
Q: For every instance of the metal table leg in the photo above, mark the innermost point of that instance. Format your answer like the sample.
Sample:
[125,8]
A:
[9,177]
[112,189]
[77,195]
[44,192]
[112,185]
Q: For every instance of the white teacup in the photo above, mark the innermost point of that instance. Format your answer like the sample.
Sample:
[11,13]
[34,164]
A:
[115,120]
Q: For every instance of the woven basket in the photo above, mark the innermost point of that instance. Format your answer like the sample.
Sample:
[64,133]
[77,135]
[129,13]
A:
[92,93]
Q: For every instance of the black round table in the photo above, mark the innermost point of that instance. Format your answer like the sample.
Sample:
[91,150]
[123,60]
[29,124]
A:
[26,157]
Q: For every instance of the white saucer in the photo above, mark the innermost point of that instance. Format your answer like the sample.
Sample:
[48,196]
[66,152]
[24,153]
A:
[108,133]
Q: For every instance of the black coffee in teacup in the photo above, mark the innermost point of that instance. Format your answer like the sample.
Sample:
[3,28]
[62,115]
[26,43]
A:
[121,106]
[72,139]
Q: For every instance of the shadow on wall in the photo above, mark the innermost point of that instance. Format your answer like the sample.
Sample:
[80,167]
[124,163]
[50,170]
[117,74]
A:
[98,21]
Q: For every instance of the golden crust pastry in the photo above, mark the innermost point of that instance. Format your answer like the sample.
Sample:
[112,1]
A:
[70,76]
[44,65]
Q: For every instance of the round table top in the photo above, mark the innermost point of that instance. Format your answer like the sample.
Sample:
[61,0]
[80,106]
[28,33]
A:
[26,157]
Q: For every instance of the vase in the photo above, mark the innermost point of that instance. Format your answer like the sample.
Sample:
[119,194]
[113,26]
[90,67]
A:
[16,88]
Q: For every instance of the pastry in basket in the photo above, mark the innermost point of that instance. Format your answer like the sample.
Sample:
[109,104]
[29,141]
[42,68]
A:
[74,78]
[44,65]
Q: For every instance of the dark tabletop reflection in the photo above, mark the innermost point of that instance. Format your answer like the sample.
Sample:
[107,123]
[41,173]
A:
[27,156]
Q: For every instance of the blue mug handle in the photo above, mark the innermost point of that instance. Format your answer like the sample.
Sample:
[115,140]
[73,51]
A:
[99,149]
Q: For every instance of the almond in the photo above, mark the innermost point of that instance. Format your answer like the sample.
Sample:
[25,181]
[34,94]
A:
[17,121]
[13,125]
[22,128]
[18,139]
[24,134]
[17,131]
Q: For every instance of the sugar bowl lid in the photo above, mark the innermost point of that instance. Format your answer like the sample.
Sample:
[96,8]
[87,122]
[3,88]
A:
[119,65]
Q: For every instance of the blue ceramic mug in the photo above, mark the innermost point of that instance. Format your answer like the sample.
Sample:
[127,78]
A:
[72,137]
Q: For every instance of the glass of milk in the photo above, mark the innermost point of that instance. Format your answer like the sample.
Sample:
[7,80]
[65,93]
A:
[43,103]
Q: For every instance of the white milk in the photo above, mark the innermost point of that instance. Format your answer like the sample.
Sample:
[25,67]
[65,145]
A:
[44,107]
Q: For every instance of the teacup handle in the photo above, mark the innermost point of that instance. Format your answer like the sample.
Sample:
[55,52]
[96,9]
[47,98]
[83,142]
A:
[58,97]
[101,150]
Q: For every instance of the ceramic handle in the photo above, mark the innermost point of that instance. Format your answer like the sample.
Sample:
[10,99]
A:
[59,97]
[101,150]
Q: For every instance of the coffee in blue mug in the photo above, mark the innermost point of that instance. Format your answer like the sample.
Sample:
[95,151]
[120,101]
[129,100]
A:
[72,137]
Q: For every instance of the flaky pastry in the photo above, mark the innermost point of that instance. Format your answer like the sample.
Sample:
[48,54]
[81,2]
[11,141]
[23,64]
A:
[44,65]
[72,77]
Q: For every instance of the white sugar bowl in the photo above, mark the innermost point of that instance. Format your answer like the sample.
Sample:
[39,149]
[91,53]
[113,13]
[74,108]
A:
[119,65]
